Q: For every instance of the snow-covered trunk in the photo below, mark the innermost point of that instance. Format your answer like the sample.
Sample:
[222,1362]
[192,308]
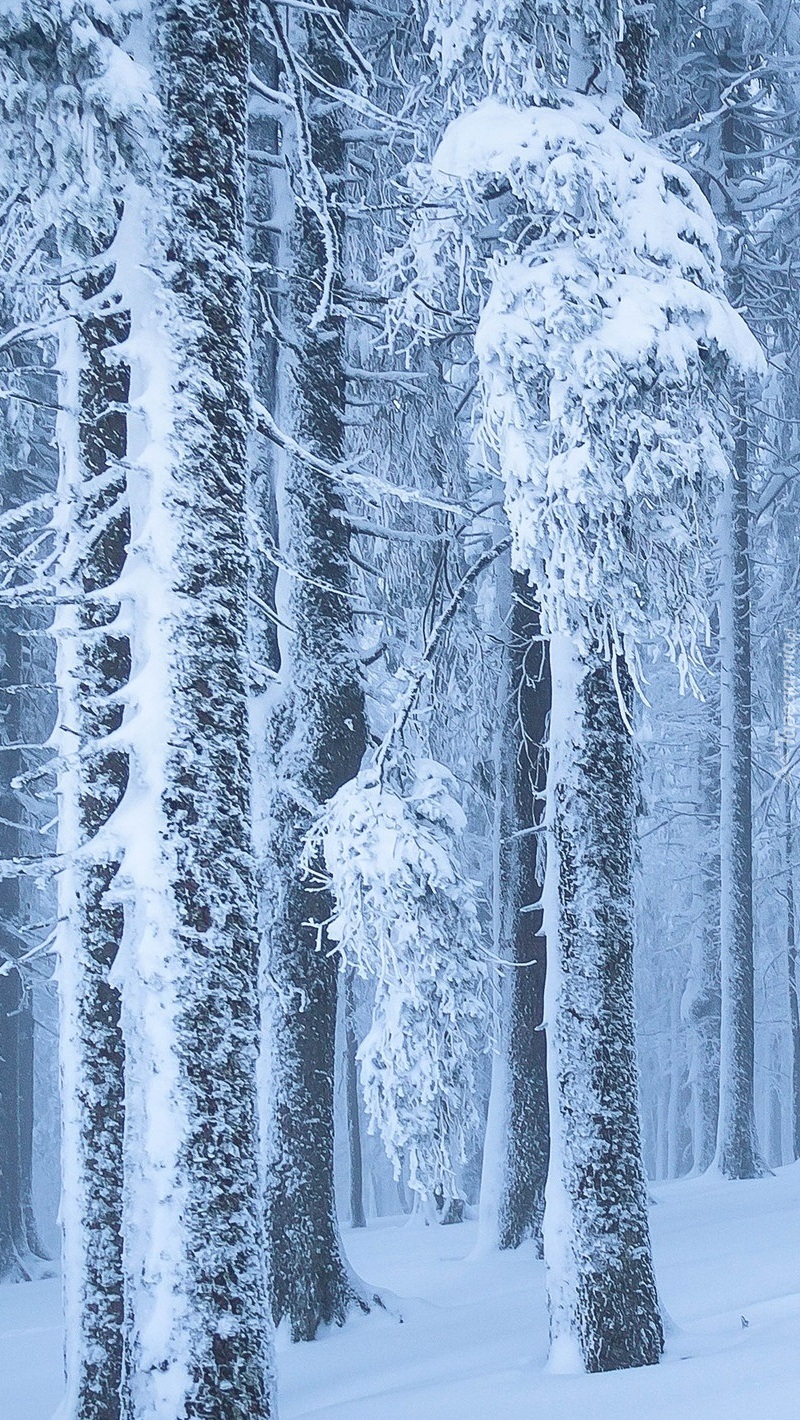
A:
[319,731]
[738,1154]
[92,667]
[603,1305]
[526,1144]
[700,1007]
[198,1332]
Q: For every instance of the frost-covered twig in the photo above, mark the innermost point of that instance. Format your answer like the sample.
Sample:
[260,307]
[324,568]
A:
[348,473]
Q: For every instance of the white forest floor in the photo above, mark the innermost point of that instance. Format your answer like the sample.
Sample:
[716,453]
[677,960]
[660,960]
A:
[473,1338]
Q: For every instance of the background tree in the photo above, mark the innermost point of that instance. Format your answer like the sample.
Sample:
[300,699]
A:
[317,732]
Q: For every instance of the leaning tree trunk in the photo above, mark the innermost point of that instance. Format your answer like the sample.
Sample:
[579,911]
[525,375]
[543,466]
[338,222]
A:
[527,1143]
[320,736]
[92,668]
[198,1329]
[603,1305]
[738,1153]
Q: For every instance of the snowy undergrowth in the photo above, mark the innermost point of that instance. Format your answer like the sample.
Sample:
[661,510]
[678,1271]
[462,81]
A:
[474,1335]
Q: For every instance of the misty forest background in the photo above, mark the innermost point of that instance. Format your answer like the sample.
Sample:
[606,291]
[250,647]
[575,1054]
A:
[399,654]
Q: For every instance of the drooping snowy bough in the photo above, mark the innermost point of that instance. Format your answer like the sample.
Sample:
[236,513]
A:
[603,341]
[604,345]
[407,921]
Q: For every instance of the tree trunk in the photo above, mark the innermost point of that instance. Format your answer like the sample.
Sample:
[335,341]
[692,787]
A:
[21,720]
[357,1217]
[603,1304]
[527,1128]
[199,1334]
[320,736]
[738,1154]
[93,667]
[700,1007]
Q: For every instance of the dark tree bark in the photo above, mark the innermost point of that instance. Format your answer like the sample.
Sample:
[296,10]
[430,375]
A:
[320,736]
[94,664]
[199,1333]
[527,1140]
[603,1301]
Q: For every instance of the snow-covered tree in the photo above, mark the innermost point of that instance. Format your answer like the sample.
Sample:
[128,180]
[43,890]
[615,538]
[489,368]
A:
[27,804]
[316,727]
[732,110]
[60,189]
[198,1333]
[603,341]
[140,179]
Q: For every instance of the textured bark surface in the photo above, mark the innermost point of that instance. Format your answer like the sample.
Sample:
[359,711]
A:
[320,736]
[602,1289]
[94,664]
[199,1333]
[527,1140]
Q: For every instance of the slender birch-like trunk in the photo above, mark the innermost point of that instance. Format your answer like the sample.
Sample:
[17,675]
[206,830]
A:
[738,1153]
[700,1007]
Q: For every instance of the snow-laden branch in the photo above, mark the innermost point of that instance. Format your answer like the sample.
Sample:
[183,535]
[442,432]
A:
[347,473]
[432,644]
[604,345]
[406,920]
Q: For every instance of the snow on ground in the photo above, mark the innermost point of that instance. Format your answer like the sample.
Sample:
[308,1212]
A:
[30,1350]
[472,1342]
